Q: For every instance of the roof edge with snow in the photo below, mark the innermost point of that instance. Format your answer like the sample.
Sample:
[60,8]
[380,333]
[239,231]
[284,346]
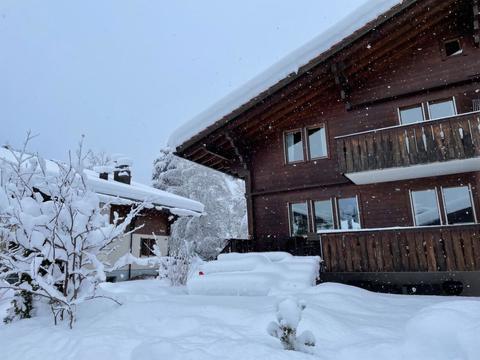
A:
[353,27]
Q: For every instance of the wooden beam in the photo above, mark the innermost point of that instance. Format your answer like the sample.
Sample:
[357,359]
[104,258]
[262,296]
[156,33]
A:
[476,22]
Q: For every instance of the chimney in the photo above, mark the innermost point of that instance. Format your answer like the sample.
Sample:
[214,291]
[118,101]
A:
[122,172]
[103,171]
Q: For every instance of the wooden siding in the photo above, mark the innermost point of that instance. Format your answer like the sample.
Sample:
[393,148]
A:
[414,144]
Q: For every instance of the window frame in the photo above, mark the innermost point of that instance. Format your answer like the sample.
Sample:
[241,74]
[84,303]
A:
[285,149]
[142,240]
[339,220]
[452,98]
[445,214]
[313,213]
[400,108]
[444,48]
[289,211]
[412,207]
[307,142]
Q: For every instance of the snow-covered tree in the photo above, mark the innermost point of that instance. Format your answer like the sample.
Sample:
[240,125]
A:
[54,229]
[97,159]
[289,314]
[222,195]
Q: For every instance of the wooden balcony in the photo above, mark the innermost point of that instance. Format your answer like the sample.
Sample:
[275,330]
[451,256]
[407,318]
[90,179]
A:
[427,249]
[425,144]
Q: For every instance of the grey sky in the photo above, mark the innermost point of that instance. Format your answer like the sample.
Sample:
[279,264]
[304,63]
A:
[126,73]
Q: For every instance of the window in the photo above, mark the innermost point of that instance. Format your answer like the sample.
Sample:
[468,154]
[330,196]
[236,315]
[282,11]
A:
[323,215]
[348,214]
[453,48]
[299,219]
[425,207]
[458,205]
[146,247]
[294,146]
[411,114]
[476,104]
[317,142]
[442,108]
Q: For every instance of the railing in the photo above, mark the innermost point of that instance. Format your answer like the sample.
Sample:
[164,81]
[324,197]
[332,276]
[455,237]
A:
[416,249]
[441,248]
[451,138]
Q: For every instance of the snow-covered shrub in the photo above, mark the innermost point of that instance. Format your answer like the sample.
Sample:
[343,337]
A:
[289,314]
[224,200]
[54,228]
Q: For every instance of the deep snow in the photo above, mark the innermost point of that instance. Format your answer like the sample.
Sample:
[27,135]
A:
[159,322]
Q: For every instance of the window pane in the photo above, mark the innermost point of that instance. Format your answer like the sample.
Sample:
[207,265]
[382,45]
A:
[299,219]
[458,205]
[411,115]
[294,146]
[323,215]
[317,142]
[348,213]
[425,207]
[147,247]
[441,109]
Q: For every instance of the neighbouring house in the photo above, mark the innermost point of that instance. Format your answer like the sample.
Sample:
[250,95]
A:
[363,147]
[114,186]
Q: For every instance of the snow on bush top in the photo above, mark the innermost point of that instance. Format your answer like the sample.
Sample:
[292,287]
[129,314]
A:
[286,66]
[119,193]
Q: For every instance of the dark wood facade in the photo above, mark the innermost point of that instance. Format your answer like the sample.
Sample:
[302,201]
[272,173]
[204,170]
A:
[355,90]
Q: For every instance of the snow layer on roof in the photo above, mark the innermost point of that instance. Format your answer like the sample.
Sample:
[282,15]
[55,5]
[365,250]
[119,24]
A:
[364,14]
[120,193]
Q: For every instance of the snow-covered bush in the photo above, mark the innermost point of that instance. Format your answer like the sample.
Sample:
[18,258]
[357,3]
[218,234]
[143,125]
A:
[54,229]
[289,314]
[224,201]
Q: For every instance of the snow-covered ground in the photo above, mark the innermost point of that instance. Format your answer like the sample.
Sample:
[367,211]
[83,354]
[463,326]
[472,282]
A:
[159,322]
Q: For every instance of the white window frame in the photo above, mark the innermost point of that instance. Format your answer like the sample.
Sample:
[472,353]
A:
[289,210]
[307,142]
[285,149]
[469,186]
[339,224]
[442,100]
[314,222]
[412,207]
[411,107]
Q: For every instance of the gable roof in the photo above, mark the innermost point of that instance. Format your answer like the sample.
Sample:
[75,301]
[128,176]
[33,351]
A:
[358,23]
[117,193]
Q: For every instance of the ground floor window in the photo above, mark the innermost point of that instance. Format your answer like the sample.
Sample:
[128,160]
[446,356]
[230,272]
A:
[458,205]
[147,247]
[425,206]
[323,215]
[348,214]
[298,219]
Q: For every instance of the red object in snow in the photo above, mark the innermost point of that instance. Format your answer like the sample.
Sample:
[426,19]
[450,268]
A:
[201,273]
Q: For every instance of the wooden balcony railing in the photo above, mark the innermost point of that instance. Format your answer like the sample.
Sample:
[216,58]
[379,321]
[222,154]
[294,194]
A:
[445,139]
[442,248]
[421,249]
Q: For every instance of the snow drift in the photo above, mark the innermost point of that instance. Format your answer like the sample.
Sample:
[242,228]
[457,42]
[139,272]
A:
[255,274]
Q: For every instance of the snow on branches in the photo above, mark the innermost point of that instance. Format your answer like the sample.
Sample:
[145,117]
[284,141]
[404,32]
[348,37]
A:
[289,314]
[52,228]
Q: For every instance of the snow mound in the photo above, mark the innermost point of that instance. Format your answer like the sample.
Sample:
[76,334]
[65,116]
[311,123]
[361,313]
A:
[255,274]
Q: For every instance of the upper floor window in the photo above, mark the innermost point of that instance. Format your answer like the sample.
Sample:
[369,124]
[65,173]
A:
[411,114]
[442,108]
[317,142]
[323,215]
[425,207]
[294,146]
[298,219]
[458,205]
[453,47]
[348,214]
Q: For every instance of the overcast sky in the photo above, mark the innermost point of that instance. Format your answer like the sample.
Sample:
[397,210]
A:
[126,73]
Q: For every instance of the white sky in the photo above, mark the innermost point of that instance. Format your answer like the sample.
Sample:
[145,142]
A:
[126,73]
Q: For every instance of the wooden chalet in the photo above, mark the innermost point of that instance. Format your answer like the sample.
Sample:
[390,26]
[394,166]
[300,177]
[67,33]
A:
[369,154]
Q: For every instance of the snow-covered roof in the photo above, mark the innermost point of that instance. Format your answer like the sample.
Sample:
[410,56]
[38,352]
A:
[289,65]
[116,192]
